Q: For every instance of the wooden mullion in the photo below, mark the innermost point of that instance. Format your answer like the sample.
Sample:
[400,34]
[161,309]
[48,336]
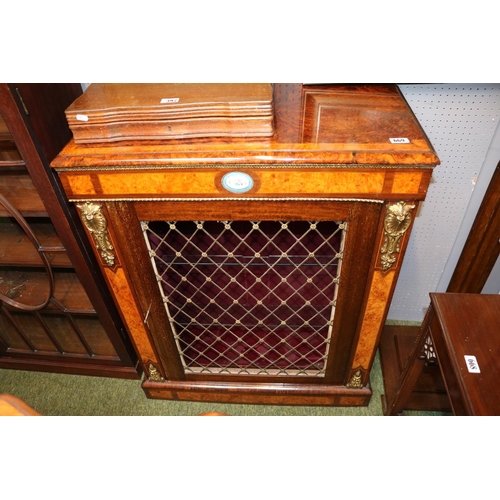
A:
[47,331]
[79,334]
[74,326]
[17,329]
[3,345]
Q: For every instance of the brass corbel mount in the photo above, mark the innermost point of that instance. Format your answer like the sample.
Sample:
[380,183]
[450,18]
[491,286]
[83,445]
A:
[154,374]
[96,223]
[356,381]
[397,220]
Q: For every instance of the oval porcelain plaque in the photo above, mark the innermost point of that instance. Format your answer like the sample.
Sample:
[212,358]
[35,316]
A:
[237,182]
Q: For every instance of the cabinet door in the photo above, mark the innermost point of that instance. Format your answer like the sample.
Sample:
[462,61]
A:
[271,292]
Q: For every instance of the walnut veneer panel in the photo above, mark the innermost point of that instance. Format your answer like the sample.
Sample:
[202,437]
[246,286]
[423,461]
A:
[306,182]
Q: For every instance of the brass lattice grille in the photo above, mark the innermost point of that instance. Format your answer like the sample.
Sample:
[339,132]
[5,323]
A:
[249,297]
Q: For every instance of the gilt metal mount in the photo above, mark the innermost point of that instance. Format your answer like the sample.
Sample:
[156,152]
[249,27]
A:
[396,222]
[154,374]
[95,221]
[356,381]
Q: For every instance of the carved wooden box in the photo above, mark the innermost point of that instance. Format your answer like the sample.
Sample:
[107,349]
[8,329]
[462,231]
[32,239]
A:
[262,270]
[117,112]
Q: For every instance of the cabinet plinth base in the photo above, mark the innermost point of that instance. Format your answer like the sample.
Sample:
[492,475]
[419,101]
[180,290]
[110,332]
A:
[241,393]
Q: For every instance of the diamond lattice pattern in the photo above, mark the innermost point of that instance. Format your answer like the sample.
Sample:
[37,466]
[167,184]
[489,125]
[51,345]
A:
[249,297]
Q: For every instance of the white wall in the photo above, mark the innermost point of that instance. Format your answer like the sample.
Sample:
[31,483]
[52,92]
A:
[461,121]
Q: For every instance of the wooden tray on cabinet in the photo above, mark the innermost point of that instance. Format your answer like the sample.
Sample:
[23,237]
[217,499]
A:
[118,112]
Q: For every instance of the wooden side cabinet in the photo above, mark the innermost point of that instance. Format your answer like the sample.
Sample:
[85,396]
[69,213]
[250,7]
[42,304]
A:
[462,332]
[56,314]
[259,270]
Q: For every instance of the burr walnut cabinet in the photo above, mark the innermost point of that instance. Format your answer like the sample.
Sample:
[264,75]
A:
[259,270]
[56,312]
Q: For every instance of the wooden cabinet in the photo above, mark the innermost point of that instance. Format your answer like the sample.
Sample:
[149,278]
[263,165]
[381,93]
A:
[460,332]
[259,270]
[56,314]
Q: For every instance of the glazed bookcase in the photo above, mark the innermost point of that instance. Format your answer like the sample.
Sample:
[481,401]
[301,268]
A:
[55,311]
[259,271]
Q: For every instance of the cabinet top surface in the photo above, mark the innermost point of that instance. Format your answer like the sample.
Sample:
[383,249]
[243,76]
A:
[320,124]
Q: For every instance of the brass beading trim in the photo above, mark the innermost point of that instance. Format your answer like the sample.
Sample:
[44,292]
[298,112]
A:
[362,200]
[245,165]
